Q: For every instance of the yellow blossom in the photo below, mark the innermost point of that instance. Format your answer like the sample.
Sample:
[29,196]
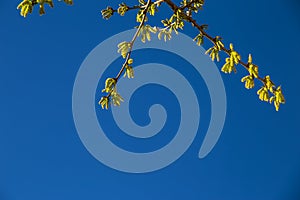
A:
[249,81]
[278,98]
[263,94]
[104,102]
[228,67]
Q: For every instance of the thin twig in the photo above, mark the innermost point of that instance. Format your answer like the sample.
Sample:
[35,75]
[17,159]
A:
[135,7]
[132,43]
[187,5]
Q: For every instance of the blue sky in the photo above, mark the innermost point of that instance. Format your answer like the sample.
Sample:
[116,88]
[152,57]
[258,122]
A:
[42,157]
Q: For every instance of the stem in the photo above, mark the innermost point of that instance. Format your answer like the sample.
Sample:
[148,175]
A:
[132,42]
[140,7]
[34,2]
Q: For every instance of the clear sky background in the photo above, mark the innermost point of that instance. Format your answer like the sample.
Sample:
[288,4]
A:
[42,157]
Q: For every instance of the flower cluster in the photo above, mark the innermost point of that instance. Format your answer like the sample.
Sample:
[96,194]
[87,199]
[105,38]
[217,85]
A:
[124,48]
[145,32]
[214,51]
[123,8]
[129,70]
[253,73]
[269,88]
[230,62]
[113,96]
[107,13]
[26,6]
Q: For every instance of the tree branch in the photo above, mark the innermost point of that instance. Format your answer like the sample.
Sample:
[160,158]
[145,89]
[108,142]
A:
[174,7]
